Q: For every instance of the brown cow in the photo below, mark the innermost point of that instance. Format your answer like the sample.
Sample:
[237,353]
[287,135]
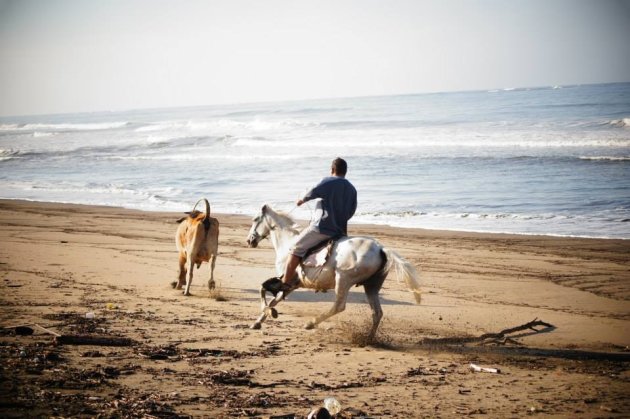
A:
[197,241]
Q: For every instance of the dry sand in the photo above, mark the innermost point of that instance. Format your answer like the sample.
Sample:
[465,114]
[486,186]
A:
[195,356]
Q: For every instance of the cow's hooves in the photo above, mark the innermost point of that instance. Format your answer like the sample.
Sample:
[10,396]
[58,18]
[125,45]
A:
[255,326]
[309,326]
[211,285]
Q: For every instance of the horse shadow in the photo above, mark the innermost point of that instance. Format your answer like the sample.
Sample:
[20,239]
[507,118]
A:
[305,295]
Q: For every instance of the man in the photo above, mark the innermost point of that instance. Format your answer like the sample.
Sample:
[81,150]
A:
[337,204]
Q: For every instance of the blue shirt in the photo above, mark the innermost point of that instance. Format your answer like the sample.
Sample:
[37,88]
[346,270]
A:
[338,202]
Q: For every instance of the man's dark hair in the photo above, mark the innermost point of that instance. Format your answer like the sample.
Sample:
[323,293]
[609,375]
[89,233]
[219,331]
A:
[340,166]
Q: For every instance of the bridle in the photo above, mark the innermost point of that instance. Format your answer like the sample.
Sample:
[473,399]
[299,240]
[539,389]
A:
[256,237]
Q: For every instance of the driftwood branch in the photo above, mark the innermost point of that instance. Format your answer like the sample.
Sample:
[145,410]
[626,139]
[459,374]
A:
[501,337]
[93,340]
[46,330]
[74,339]
[27,329]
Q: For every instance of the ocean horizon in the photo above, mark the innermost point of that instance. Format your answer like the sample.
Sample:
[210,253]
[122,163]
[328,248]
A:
[549,161]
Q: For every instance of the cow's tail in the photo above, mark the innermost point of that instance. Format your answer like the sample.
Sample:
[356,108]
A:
[206,219]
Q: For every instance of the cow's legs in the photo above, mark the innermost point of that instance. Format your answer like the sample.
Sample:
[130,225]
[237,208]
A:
[211,283]
[191,265]
[182,271]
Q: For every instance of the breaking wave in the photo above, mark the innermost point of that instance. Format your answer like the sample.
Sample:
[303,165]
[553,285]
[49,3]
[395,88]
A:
[8,154]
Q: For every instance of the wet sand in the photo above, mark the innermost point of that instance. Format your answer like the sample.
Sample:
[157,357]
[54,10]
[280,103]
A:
[196,356]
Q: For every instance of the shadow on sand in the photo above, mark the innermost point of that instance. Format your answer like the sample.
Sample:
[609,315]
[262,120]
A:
[308,295]
[496,343]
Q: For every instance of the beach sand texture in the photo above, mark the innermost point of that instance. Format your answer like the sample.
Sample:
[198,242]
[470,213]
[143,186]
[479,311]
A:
[196,356]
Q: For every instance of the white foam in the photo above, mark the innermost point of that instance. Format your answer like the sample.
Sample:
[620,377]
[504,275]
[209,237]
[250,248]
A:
[38,134]
[606,158]
[222,125]
[622,123]
[529,224]
[64,126]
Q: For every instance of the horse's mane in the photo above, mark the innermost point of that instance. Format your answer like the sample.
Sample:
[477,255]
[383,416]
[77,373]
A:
[285,221]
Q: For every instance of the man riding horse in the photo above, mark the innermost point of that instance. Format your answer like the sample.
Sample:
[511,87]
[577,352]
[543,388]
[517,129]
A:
[351,261]
[337,204]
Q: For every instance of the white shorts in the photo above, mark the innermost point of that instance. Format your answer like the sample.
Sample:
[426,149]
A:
[307,239]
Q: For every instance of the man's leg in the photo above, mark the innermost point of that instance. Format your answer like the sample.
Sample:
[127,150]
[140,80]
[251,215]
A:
[290,268]
[307,239]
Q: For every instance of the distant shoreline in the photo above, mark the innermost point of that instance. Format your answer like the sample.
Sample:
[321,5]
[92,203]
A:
[352,225]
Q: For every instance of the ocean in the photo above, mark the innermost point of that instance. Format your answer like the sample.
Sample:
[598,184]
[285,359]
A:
[551,161]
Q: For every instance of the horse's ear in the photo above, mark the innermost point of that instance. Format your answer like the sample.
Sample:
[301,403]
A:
[264,209]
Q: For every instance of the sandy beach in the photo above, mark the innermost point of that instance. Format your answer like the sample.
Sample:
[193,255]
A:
[196,356]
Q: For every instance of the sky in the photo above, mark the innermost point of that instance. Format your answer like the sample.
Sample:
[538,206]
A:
[64,56]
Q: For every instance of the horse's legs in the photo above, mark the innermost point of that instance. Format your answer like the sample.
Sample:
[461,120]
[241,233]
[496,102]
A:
[341,295]
[372,287]
[377,312]
[267,307]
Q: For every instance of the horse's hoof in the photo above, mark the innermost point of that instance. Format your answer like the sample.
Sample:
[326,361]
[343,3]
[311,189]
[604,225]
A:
[186,294]
[174,284]
[211,285]
[270,311]
[309,326]
[255,326]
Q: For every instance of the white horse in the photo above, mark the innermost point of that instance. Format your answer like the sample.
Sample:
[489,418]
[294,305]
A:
[352,261]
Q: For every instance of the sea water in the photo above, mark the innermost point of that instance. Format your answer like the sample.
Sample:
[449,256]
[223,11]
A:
[552,160]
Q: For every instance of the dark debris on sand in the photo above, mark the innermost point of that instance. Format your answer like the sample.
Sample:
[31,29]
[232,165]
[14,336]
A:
[77,323]
[41,377]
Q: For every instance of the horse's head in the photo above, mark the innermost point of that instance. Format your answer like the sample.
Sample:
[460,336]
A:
[260,228]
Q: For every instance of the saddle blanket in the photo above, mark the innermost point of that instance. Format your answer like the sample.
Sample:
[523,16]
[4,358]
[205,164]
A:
[318,256]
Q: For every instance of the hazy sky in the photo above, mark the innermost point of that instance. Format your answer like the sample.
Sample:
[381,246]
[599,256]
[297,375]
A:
[88,55]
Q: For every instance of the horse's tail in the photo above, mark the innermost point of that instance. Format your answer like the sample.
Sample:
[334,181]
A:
[404,270]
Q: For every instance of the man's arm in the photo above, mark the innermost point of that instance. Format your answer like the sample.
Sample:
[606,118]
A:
[316,192]
[306,198]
